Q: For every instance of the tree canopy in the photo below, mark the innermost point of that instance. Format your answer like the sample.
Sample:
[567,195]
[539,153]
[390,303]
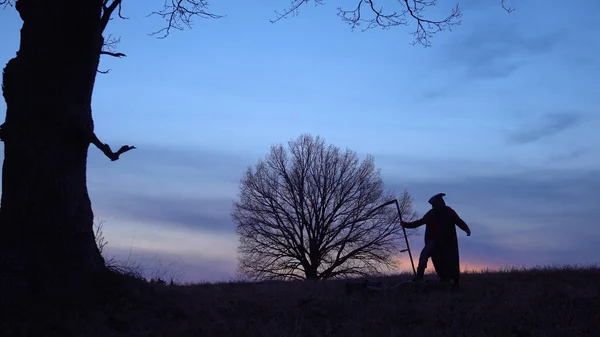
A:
[312,211]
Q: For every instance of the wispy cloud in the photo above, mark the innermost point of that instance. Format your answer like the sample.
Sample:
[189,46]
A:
[546,126]
[496,54]
[569,155]
[497,47]
[184,211]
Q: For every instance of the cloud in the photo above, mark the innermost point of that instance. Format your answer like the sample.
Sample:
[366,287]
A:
[490,52]
[186,212]
[548,125]
[569,155]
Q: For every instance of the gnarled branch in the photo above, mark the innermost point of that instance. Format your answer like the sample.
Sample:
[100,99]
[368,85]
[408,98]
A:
[104,52]
[107,11]
[105,148]
[108,48]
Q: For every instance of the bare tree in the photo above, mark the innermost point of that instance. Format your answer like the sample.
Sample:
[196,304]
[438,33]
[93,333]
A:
[312,213]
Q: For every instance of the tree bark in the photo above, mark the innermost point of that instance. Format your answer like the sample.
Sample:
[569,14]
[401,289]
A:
[311,269]
[311,273]
[47,241]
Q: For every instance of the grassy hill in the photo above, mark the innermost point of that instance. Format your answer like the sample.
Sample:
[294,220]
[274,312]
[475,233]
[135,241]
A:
[528,302]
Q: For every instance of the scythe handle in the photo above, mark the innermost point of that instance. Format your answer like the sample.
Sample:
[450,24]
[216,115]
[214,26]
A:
[403,229]
[406,239]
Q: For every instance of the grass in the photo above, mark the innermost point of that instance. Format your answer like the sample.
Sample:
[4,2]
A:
[520,302]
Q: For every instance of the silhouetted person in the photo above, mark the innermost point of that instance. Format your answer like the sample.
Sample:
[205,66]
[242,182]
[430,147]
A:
[441,243]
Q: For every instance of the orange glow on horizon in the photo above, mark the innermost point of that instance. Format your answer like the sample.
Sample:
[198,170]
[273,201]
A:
[467,264]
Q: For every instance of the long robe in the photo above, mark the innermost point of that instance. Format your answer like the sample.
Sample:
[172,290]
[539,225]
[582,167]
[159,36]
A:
[441,225]
[446,257]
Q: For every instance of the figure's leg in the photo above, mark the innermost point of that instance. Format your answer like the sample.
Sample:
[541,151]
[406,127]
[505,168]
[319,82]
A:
[452,265]
[456,275]
[425,254]
[437,260]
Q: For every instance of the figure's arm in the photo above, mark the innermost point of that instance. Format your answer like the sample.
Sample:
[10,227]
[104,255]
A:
[416,223]
[461,223]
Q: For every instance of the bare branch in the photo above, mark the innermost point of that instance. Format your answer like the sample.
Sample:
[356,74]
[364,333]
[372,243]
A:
[179,14]
[293,9]
[107,11]
[99,235]
[110,43]
[112,54]
[506,7]
[386,19]
[368,14]
[108,48]
[105,148]
[120,12]
[6,3]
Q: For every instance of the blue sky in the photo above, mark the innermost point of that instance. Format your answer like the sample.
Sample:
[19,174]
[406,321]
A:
[501,114]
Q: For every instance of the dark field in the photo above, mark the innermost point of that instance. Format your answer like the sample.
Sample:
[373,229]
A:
[534,302]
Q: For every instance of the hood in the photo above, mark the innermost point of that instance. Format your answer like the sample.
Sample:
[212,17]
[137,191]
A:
[438,200]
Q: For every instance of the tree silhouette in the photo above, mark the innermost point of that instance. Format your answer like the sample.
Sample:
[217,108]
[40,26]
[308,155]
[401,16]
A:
[312,213]
[47,240]
[46,235]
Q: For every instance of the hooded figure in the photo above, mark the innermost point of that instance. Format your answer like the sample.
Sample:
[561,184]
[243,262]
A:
[441,242]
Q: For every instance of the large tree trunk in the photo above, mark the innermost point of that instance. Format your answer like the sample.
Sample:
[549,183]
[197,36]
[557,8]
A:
[46,237]
[311,273]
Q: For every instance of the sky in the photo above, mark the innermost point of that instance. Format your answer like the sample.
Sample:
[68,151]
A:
[501,114]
